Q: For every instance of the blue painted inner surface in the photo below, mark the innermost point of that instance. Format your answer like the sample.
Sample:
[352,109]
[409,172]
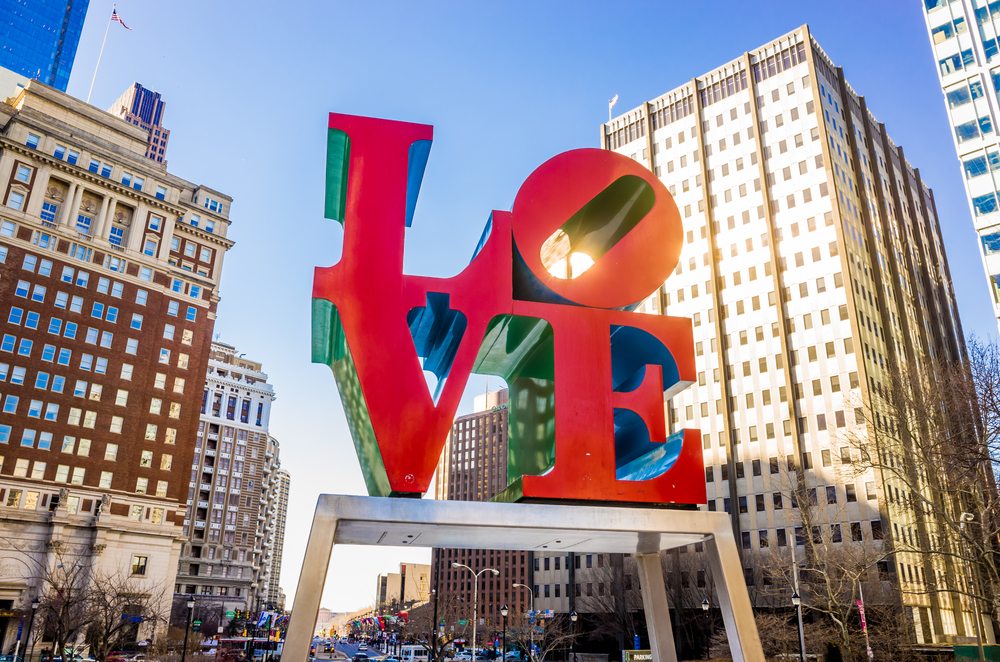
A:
[632,350]
[419,151]
[437,332]
[655,463]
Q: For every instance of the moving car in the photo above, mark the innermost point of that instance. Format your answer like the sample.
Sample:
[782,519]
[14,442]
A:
[360,657]
[363,648]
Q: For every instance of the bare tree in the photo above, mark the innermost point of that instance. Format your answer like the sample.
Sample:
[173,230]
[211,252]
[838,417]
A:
[547,634]
[63,594]
[933,437]
[118,604]
[610,591]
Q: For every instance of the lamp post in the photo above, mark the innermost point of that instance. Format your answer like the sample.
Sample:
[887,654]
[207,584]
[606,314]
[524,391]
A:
[797,601]
[27,636]
[969,517]
[531,609]
[475,599]
[190,606]
[503,651]
[704,607]
[572,632]
[434,624]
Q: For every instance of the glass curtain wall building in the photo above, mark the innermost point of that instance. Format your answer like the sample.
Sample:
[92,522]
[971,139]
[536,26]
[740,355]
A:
[812,263]
[38,38]
[963,36]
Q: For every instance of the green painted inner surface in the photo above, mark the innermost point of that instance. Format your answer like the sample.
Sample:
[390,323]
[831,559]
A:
[520,350]
[969,653]
[329,347]
[338,154]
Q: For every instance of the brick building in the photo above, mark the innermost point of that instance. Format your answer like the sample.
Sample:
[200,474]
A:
[109,275]
[473,467]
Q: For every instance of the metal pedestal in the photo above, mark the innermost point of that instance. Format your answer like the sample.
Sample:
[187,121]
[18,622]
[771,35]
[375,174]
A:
[644,532]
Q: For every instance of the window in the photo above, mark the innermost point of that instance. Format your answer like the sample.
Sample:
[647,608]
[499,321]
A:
[136,321]
[111,452]
[138,565]
[32,141]
[106,477]
[192,312]
[168,332]
[205,255]
[140,488]
[131,346]
[116,236]
[15,200]
[48,213]
[161,192]
[146,459]
[164,356]
[149,248]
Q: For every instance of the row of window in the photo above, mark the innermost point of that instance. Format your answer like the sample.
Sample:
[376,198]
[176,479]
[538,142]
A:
[24,468]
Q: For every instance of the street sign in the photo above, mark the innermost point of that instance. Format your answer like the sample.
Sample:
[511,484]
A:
[230,614]
[463,622]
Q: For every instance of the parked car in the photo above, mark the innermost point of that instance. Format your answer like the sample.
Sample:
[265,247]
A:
[462,657]
[360,657]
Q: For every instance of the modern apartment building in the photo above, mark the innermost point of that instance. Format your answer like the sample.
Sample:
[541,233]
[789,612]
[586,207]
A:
[812,263]
[473,467]
[284,486]
[111,271]
[963,38]
[38,40]
[406,589]
[233,490]
[144,108]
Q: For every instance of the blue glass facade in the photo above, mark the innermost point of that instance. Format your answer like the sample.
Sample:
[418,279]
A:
[38,38]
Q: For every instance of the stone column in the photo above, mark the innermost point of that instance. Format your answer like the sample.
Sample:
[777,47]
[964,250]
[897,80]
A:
[168,233]
[65,215]
[138,228]
[107,211]
[34,207]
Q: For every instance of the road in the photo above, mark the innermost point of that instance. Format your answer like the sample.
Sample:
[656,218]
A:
[345,650]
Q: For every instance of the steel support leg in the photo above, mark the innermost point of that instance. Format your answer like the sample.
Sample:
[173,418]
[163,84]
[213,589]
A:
[654,602]
[309,592]
[737,612]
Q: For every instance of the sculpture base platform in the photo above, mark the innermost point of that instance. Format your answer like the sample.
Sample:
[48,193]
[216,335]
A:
[643,532]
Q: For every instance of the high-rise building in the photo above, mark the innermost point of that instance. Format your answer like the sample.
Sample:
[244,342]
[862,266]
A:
[144,109]
[113,272]
[812,263]
[284,486]
[473,467]
[963,38]
[38,40]
[408,588]
[230,521]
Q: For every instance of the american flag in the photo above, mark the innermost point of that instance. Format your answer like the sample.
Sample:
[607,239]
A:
[610,103]
[116,17]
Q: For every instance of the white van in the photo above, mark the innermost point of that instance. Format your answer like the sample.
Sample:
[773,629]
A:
[413,654]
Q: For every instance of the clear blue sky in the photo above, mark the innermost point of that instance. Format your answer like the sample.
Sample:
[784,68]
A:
[506,85]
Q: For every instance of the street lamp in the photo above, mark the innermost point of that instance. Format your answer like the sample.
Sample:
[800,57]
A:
[797,602]
[475,599]
[963,519]
[531,610]
[27,637]
[503,612]
[572,632]
[190,606]
[704,607]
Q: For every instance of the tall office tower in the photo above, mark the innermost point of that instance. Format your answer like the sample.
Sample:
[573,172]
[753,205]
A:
[38,40]
[812,263]
[283,486]
[112,271]
[969,69]
[403,590]
[473,467]
[230,498]
[144,109]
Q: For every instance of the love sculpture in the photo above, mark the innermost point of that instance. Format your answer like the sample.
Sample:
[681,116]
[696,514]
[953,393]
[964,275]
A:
[545,303]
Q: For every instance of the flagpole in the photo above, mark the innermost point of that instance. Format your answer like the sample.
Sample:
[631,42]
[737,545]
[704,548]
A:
[102,54]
